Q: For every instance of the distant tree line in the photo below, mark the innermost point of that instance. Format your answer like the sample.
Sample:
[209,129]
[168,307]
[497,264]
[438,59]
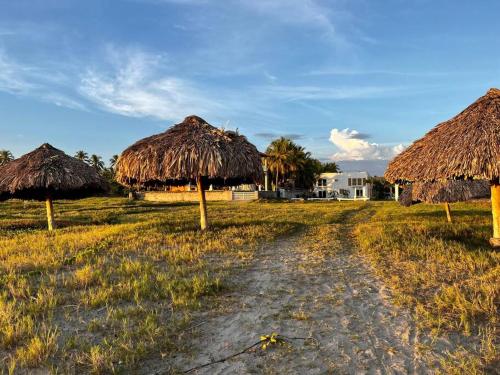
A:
[289,162]
[107,172]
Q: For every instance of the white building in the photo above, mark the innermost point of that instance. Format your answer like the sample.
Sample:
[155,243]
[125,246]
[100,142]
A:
[345,185]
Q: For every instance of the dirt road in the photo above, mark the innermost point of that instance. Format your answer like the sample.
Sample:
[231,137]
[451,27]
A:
[335,316]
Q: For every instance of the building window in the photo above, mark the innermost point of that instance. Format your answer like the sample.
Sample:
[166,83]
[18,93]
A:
[322,194]
[356,181]
[322,182]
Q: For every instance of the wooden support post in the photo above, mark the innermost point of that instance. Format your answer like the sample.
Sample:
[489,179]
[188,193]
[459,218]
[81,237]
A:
[396,192]
[266,176]
[448,211]
[495,210]
[203,204]
[50,214]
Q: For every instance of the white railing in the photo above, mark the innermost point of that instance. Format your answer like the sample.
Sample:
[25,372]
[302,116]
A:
[245,195]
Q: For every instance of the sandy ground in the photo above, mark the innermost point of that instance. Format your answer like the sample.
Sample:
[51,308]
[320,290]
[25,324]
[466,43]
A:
[336,303]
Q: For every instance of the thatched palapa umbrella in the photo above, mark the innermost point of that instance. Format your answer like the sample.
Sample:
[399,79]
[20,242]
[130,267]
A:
[464,147]
[191,151]
[46,174]
[444,192]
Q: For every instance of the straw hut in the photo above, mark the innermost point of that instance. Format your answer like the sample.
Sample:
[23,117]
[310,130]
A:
[464,147]
[47,174]
[192,151]
[444,192]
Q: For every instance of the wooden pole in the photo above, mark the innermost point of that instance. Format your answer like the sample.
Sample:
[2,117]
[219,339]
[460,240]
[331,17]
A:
[203,204]
[448,211]
[495,210]
[50,214]
[396,192]
[266,176]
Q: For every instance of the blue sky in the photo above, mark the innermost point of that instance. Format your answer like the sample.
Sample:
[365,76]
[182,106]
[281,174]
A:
[347,79]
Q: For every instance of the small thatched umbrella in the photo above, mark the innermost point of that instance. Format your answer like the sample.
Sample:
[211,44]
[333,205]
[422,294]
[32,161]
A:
[46,174]
[191,151]
[444,192]
[464,147]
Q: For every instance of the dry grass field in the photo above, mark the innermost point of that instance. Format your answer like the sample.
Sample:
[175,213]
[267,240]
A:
[118,284]
[447,274]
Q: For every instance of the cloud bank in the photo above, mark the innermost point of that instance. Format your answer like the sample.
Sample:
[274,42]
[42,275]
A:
[27,80]
[353,145]
[135,86]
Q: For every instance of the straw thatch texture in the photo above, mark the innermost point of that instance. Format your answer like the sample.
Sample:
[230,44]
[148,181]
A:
[442,192]
[189,150]
[48,171]
[467,146]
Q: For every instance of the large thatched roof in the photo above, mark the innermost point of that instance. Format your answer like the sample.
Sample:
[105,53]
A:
[49,171]
[189,150]
[447,191]
[467,146]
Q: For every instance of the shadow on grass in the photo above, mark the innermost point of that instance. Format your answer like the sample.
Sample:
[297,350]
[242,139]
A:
[23,226]
[473,238]
[66,206]
[19,226]
[455,213]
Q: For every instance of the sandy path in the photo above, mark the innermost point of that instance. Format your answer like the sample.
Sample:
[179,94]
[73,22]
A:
[335,300]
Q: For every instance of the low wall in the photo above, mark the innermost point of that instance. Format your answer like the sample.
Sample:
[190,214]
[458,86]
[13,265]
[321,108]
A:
[184,196]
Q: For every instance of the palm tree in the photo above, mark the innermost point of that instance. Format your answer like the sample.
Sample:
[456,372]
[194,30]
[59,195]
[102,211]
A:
[309,173]
[279,154]
[96,162]
[287,160]
[82,155]
[112,162]
[5,156]
[330,167]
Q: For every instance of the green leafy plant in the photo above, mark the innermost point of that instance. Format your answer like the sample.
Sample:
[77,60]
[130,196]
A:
[272,339]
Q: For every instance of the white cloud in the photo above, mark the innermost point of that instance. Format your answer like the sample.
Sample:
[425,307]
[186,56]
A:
[135,86]
[132,83]
[352,146]
[270,77]
[342,71]
[293,93]
[305,12]
[25,80]
[13,76]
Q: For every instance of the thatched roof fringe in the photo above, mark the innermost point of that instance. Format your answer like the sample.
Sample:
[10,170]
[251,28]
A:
[464,147]
[442,192]
[186,151]
[48,171]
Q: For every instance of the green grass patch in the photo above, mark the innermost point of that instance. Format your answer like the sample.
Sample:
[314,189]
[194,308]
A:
[447,273]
